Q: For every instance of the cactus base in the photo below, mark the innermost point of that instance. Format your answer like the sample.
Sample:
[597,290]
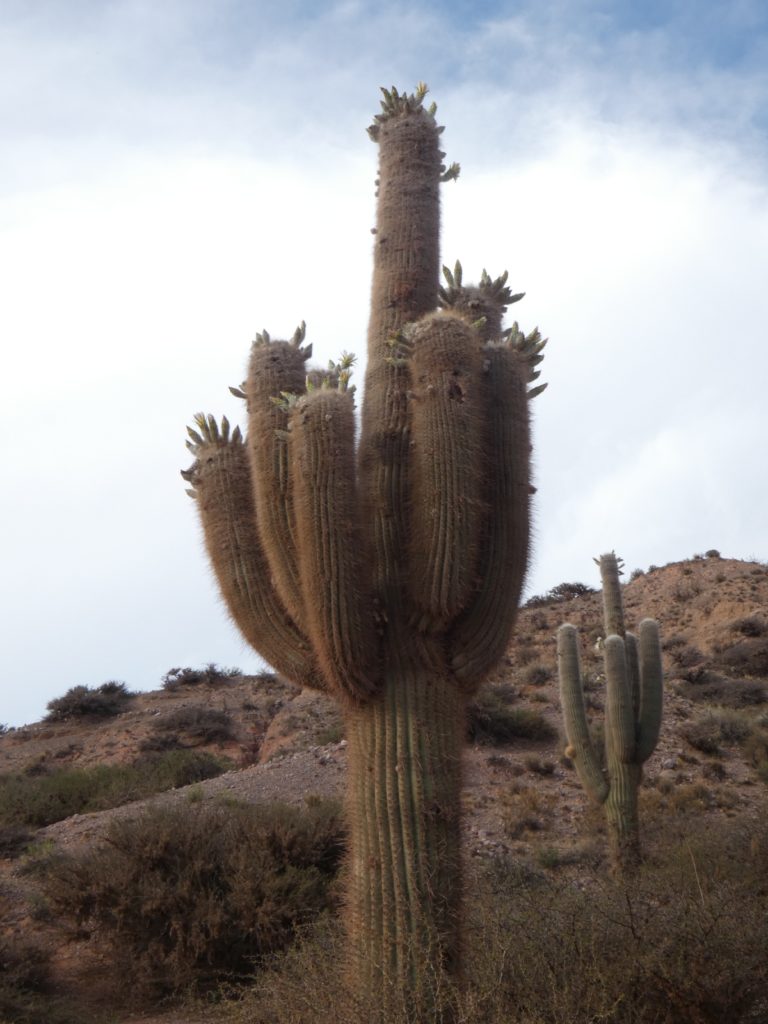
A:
[405,873]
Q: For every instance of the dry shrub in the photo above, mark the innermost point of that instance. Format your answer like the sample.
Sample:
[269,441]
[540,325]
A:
[748,656]
[707,687]
[710,731]
[197,724]
[683,943]
[212,675]
[491,718]
[26,991]
[186,896]
[41,799]
[103,701]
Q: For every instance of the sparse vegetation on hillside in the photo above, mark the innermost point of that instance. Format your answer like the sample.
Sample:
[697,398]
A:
[212,675]
[493,718]
[89,702]
[684,944]
[189,896]
[41,799]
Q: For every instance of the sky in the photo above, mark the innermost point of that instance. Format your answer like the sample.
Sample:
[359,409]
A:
[177,175]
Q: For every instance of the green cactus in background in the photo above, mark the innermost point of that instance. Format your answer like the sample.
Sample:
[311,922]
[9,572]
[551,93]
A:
[387,576]
[634,684]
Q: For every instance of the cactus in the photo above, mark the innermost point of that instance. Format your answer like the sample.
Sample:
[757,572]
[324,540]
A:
[634,682]
[387,576]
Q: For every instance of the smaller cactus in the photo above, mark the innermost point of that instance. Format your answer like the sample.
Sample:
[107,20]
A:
[634,684]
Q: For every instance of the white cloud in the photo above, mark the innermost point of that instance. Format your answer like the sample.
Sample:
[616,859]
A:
[173,189]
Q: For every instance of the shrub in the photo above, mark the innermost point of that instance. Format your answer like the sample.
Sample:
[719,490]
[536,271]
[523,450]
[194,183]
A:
[203,725]
[709,731]
[712,553]
[188,896]
[705,686]
[38,800]
[750,625]
[538,675]
[684,943]
[557,595]
[103,701]
[212,675]
[749,656]
[25,987]
[491,719]
[14,839]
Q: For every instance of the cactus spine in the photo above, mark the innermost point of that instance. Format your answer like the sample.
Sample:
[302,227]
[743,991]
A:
[633,708]
[387,576]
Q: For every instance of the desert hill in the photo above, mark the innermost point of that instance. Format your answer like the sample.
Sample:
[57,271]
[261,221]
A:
[266,740]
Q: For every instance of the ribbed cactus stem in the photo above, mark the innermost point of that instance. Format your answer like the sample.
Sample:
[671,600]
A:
[406,267]
[651,690]
[613,609]
[222,488]
[582,751]
[275,368]
[331,553]
[619,713]
[481,635]
[447,506]
[403,905]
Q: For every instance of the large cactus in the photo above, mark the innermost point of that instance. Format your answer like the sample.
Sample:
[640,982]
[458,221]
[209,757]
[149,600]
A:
[387,576]
[634,680]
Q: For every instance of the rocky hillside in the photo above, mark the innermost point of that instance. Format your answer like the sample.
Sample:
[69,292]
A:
[266,740]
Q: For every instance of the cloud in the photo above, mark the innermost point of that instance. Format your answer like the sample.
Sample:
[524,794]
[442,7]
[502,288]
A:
[182,175]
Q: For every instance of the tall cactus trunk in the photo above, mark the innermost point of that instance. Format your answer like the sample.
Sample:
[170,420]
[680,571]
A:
[405,876]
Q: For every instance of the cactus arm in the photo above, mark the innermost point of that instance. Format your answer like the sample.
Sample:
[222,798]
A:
[575,717]
[633,670]
[619,711]
[221,484]
[275,367]
[331,557]
[481,636]
[610,570]
[485,303]
[446,468]
[651,690]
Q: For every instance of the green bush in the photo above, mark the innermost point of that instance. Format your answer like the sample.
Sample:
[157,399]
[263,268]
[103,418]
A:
[190,895]
[707,687]
[199,724]
[103,701]
[38,800]
[492,719]
[559,594]
[212,675]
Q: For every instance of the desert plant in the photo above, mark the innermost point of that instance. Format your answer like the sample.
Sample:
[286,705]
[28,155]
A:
[191,894]
[40,799]
[492,719]
[198,724]
[176,678]
[634,681]
[388,577]
[103,701]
